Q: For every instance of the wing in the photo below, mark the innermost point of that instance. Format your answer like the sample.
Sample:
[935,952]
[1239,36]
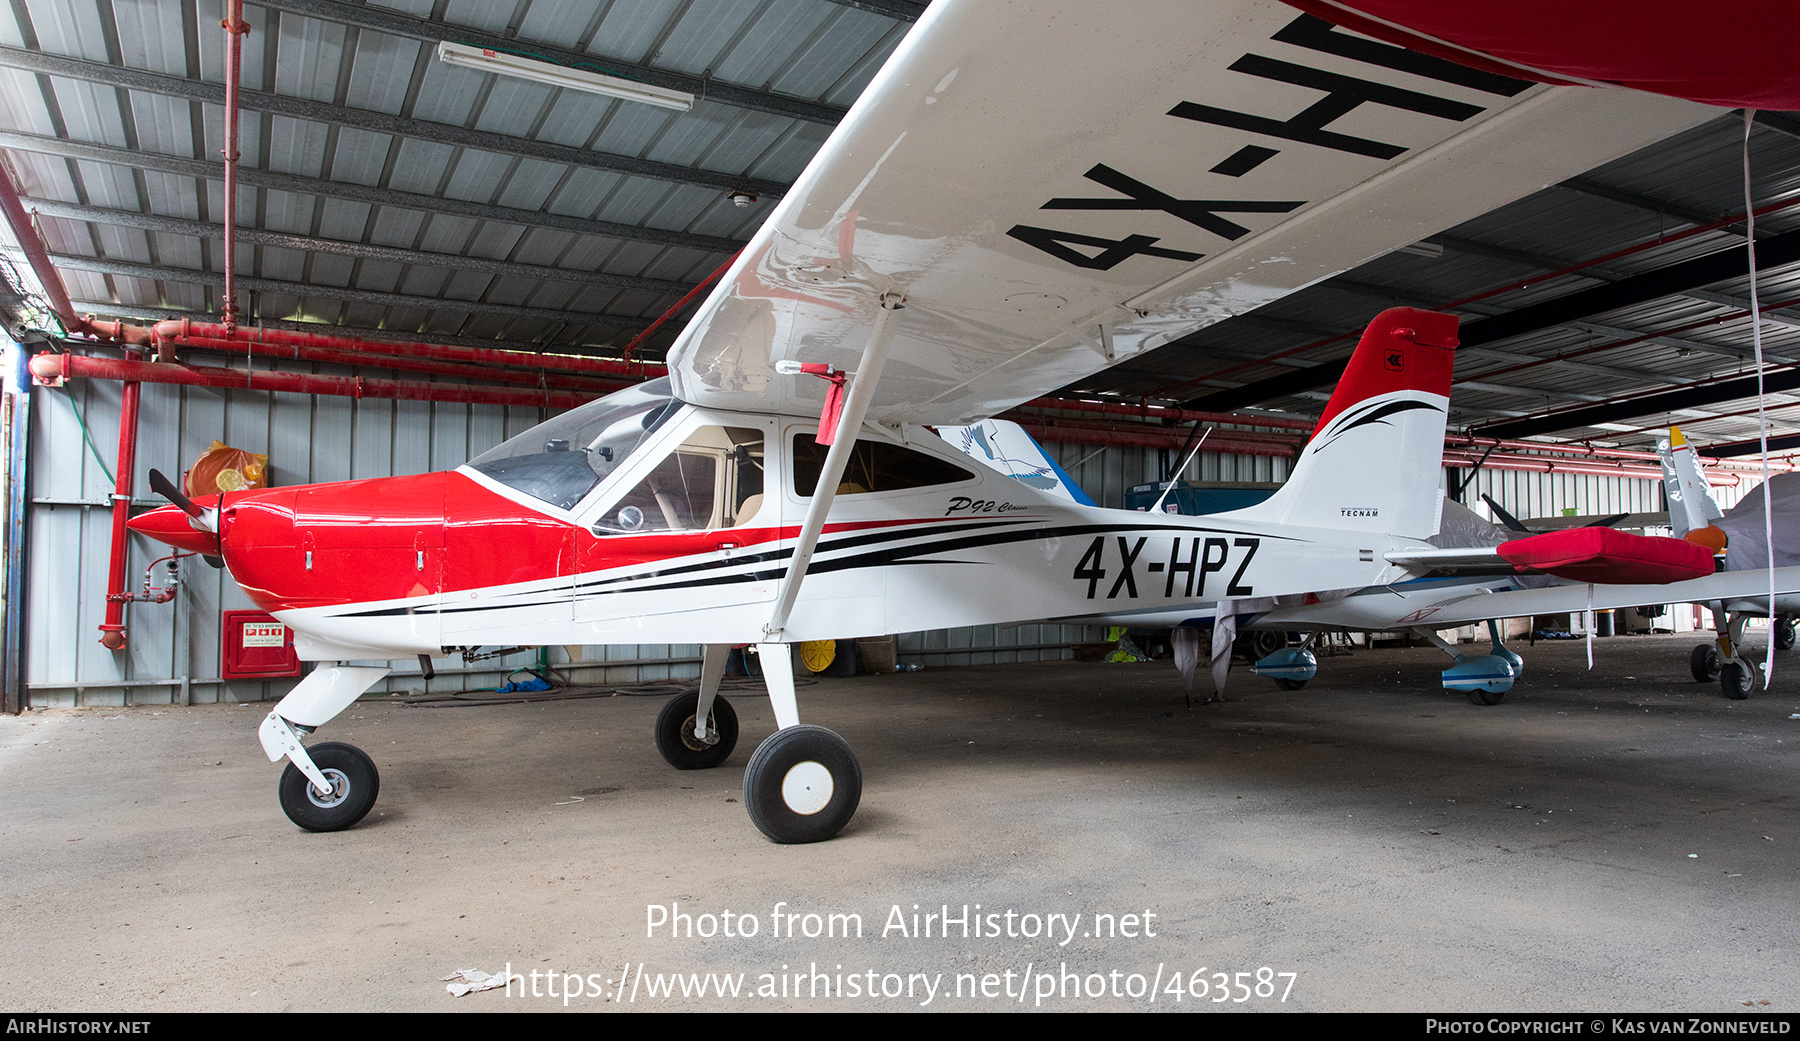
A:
[1462,604]
[1058,186]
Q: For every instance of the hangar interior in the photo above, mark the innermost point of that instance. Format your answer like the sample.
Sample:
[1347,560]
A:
[385,197]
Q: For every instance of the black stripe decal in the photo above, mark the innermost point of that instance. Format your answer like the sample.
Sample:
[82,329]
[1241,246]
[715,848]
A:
[882,557]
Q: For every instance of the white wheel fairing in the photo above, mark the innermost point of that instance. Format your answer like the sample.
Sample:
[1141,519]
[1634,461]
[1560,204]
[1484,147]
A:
[807,788]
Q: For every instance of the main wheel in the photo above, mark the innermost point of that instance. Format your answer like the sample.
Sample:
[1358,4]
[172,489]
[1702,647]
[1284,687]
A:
[1264,642]
[354,785]
[802,785]
[1487,697]
[1704,663]
[675,733]
[1286,684]
[1784,634]
[1738,679]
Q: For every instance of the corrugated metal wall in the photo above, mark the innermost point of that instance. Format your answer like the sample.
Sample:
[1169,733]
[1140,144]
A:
[173,653]
[307,440]
[1526,494]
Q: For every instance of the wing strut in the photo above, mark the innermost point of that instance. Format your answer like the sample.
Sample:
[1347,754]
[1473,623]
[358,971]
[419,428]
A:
[862,391]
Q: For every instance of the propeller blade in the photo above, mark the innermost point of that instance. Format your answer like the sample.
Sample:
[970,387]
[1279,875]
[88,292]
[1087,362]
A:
[164,487]
[1607,522]
[1506,518]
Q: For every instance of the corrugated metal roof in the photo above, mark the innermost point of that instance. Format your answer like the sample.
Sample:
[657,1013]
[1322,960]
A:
[450,134]
[356,141]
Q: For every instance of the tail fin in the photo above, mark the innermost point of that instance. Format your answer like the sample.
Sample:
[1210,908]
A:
[1691,506]
[1375,460]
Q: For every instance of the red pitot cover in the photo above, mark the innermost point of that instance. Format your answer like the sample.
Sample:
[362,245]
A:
[1608,556]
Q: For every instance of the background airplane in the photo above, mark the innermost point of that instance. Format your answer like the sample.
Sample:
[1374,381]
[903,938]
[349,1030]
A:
[1740,538]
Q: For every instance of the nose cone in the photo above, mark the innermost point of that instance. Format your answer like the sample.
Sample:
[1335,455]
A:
[168,524]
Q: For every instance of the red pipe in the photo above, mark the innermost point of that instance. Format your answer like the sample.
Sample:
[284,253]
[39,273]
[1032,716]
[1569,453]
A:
[50,366]
[1232,442]
[235,28]
[441,368]
[175,331]
[1549,464]
[1145,436]
[678,305]
[1176,415]
[112,630]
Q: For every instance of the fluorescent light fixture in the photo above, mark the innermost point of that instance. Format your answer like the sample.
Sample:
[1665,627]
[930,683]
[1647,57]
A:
[505,64]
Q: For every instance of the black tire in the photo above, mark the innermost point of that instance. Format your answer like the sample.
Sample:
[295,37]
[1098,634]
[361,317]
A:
[355,784]
[675,733]
[1704,663]
[1737,680]
[1487,697]
[1286,684]
[1264,642]
[1784,634]
[802,785]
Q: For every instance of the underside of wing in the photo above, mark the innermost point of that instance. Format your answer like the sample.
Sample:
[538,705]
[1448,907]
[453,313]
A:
[1059,186]
[1461,606]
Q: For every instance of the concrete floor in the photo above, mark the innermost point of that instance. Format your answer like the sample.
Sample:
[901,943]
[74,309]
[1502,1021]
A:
[1622,839]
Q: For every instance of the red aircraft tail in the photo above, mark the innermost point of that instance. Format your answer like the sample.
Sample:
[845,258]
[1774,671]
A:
[1404,348]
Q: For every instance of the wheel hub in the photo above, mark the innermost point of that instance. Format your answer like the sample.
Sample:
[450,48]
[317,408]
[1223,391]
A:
[698,744]
[340,790]
[807,788]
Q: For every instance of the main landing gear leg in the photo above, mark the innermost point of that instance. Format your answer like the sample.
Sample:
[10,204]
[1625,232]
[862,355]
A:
[334,785]
[1738,676]
[698,731]
[803,783]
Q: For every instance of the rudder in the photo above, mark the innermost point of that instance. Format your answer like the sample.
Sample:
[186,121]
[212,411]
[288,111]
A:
[1374,461]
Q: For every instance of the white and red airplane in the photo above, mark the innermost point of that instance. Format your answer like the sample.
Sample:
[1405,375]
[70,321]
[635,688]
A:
[1741,539]
[1021,197]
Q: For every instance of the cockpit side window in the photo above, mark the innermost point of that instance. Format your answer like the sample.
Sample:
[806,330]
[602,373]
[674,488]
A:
[875,466]
[711,480]
[560,461]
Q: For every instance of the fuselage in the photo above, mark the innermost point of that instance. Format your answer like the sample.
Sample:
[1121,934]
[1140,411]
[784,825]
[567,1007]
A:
[667,523]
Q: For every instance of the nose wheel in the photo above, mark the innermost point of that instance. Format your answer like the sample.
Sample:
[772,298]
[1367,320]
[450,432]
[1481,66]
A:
[802,785]
[354,786]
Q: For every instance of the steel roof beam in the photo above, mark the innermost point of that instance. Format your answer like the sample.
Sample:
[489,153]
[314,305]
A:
[366,194]
[189,276]
[1649,404]
[394,23]
[1523,258]
[899,10]
[1316,329]
[381,122]
[1779,121]
[1742,303]
[1742,448]
[157,314]
[1679,212]
[1674,279]
[1682,343]
[367,251]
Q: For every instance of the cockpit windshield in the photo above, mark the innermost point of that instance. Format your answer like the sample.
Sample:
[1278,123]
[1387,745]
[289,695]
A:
[560,461]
